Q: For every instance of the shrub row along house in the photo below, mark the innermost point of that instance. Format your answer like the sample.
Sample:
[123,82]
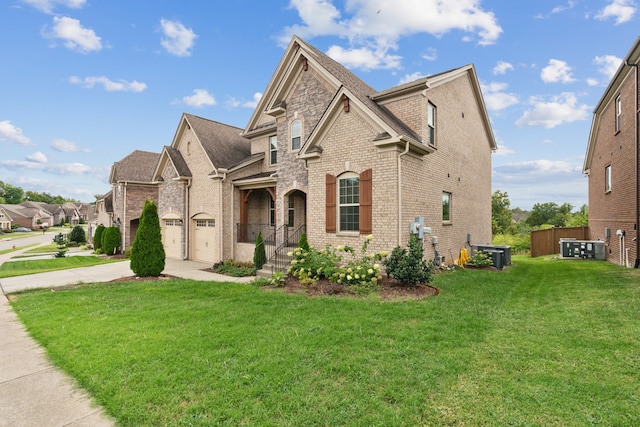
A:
[38,215]
[612,163]
[325,154]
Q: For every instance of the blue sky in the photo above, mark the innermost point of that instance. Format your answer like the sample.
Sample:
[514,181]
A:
[84,83]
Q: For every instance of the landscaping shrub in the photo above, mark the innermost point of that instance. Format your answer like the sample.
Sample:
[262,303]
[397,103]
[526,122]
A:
[77,235]
[147,251]
[111,240]
[409,266]
[97,237]
[61,241]
[259,253]
[480,259]
[236,268]
[303,243]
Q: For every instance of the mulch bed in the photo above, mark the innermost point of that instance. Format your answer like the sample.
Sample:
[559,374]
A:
[390,290]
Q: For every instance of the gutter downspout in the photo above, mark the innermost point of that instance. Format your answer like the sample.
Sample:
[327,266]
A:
[406,150]
[637,167]
[124,219]
[221,239]
[185,214]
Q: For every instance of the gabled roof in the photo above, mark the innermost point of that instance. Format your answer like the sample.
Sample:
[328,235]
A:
[626,67]
[137,167]
[346,83]
[223,143]
[173,156]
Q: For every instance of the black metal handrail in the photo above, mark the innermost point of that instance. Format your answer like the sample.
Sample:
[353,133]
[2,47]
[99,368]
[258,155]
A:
[289,240]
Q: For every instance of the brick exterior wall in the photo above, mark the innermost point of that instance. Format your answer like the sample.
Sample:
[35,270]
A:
[616,209]
[128,202]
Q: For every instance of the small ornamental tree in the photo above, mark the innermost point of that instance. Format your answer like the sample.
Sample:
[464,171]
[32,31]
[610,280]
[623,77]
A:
[97,237]
[77,235]
[259,254]
[111,240]
[147,252]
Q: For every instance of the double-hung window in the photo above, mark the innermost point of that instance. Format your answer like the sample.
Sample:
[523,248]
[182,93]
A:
[618,112]
[273,149]
[349,202]
[296,134]
[431,124]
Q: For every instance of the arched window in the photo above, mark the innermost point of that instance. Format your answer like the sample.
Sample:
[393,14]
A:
[296,134]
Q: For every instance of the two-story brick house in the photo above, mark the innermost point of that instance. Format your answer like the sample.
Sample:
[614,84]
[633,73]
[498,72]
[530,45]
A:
[612,165]
[345,160]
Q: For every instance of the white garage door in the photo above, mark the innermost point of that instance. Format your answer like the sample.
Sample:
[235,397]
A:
[171,238]
[205,247]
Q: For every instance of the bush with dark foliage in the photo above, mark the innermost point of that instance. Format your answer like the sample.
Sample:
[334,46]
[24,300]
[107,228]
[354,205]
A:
[147,252]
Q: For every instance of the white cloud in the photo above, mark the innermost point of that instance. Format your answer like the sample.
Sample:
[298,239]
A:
[108,85]
[9,132]
[430,54]
[556,71]
[621,10]
[502,67]
[364,58]
[561,109]
[75,37]
[496,98]
[503,150]
[47,6]
[562,8]
[411,77]
[234,102]
[65,146]
[541,181]
[37,157]
[54,168]
[373,27]
[199,98]
[178,39]
[608,65]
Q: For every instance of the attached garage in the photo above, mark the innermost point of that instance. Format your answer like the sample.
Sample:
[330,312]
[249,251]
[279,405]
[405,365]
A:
[205,244]
[172,236]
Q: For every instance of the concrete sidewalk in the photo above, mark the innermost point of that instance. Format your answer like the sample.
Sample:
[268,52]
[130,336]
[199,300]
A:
[32,391]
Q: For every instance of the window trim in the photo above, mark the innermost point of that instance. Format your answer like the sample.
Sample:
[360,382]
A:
[342,203]
[291,219]
[297,135]
[446,212]
[272,212]
[607,179]
[273,149]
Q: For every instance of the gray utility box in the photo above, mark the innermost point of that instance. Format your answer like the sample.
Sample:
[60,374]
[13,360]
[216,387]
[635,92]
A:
[584,249]
[500,255]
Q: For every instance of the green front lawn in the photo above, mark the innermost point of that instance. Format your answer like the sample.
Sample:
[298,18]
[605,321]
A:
[21,268]
[545,342]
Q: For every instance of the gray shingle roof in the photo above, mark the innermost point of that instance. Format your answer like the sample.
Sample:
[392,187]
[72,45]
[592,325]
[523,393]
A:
[222,143]
[178,162]
[136,167]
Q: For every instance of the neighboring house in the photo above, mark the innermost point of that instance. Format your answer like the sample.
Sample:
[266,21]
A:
[327,154]
[194,176]
[6,218]
[612,163]
[104,210]
[71,213]
[26,216]
[131,182]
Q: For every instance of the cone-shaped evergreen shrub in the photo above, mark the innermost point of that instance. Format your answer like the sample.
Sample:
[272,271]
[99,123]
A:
[147,252]
[303,243]
[97,237]
[78,235]
[111,240]
[259,254]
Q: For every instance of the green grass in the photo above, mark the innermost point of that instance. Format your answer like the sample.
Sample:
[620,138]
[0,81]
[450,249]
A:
[545,342]
[21,268]
[17,248]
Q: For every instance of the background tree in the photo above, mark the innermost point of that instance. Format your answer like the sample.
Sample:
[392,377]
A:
[501,216]
[111,240]
[147,252]
[12,195]
[579,218]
